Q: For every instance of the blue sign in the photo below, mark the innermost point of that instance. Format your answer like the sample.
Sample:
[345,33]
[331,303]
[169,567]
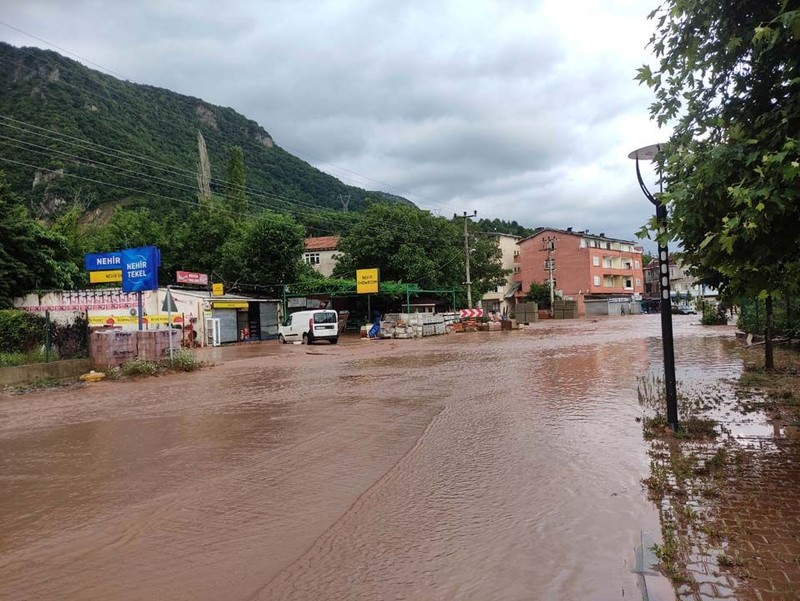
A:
[103,261]
[140,268]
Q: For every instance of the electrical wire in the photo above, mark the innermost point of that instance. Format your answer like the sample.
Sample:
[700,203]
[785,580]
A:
[269,201]
[137,191]
[317,159]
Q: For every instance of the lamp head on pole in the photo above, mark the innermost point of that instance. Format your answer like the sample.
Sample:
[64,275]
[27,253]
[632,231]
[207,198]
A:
[647,153]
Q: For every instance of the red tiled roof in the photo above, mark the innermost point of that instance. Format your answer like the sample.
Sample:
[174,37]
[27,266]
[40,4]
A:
[322,243]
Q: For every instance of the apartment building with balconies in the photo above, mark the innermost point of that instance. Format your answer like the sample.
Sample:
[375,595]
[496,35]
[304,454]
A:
[503,298]
[682,285]
[587,266]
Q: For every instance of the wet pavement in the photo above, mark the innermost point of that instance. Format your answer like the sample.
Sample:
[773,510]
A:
[732,500]
[497,465]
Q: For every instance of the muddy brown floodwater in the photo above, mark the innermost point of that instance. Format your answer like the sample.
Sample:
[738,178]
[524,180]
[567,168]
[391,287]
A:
[501,465]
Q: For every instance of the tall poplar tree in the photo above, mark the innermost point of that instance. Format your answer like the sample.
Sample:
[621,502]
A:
[235,192]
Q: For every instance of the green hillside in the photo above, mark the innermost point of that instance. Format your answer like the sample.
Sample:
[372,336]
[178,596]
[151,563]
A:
[88,119]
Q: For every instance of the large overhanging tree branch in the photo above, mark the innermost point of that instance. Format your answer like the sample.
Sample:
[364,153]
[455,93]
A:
[727,79]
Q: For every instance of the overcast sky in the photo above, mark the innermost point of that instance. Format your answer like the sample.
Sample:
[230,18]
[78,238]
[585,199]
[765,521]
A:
[518,109]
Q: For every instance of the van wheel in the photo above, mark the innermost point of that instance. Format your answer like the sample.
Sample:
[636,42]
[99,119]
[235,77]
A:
[282,339]
[334,340]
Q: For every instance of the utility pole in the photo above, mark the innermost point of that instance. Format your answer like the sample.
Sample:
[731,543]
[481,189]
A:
[549,246]
[468,283]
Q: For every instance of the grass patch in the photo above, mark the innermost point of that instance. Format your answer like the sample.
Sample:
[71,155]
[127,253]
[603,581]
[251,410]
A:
[142,367]
[16,359]
[185,361]
[182,361]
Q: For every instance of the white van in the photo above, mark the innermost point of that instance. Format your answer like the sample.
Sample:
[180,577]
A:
[309,326]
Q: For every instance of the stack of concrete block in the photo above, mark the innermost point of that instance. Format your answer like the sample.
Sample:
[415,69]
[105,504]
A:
[565,309]
[527,312]
[112,348]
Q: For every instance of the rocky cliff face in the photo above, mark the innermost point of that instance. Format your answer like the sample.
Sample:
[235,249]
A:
[111,141]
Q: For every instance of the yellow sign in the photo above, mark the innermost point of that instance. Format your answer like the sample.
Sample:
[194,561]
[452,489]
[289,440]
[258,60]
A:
[229,304]
[217,290]
[368,281]
[101,277]
[130,320]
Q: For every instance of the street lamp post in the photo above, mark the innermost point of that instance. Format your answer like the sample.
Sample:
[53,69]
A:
[649,153]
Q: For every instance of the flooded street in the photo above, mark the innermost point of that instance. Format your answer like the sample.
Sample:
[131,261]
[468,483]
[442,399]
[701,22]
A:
[502,465]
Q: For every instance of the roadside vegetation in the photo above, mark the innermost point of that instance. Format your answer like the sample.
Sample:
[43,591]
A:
[725,78]
[24,339]
[182,361]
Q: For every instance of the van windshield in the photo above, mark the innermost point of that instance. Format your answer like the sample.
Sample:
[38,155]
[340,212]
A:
[325,317]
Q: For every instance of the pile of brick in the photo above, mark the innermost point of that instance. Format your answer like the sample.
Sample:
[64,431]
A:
[154,345]
[565,309]
[112,348]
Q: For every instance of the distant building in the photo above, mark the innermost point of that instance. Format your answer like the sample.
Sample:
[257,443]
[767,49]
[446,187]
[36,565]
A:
[320,253]
[682,285]
[588,267]
[502,299]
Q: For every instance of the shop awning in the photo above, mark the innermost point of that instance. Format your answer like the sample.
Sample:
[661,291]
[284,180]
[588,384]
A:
[513,290]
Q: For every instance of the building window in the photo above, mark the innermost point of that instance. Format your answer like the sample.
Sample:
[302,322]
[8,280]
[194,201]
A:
[628,283]
[311,258]
[596,261]
[638,282]
[637,264]
[597,280]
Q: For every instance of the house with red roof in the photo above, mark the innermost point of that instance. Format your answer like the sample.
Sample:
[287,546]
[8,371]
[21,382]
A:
[320,253]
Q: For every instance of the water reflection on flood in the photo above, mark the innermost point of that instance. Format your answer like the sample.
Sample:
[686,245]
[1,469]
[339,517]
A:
[499,465]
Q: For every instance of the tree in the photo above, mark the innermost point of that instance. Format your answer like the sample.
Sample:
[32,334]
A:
[540,294]
[265,253]
[486,262]
[235,192]
[728,77]
[203,170]
[30,256]
[408,245]
[201,237]
[416,247]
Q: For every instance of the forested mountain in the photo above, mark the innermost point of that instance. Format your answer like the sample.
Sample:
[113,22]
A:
[71,134]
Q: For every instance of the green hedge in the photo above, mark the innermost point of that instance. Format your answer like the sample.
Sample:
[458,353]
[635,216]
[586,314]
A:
[20,331]
[786,314]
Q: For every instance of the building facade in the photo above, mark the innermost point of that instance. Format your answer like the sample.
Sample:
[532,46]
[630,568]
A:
[586,266]
[503,298]
[320,253]
[682,285]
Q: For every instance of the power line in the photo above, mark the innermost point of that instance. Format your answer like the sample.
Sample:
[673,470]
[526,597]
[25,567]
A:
[137,191]
[87,145]
[86,60]
[317,159]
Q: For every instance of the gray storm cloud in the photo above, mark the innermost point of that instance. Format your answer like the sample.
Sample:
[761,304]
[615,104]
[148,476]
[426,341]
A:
[520,110]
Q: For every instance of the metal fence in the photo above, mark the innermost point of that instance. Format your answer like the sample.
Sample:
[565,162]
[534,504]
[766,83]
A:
[32,338]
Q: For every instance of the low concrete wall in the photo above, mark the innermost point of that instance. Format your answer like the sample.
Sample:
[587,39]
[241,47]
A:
[57,370]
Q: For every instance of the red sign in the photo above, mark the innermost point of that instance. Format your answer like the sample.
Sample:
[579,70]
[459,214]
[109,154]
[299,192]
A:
[467,313]
[190,277]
